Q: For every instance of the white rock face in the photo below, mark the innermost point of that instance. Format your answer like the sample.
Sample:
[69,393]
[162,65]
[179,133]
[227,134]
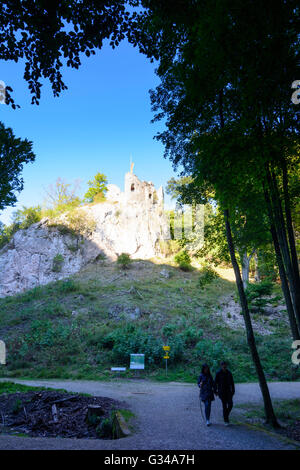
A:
[133,224]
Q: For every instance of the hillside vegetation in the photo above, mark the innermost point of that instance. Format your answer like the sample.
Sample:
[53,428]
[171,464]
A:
[80,327]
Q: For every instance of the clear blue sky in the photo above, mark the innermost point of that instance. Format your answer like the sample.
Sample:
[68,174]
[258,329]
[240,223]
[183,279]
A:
[95,125]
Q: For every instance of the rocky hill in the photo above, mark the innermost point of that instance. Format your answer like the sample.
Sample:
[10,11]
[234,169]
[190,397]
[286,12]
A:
[130,222]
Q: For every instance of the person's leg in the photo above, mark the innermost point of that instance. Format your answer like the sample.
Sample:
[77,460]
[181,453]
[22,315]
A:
[207,405]
[229,406]
[225,413]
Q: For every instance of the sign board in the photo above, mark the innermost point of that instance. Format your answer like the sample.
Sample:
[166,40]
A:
[137,361]
[2,352]
[166,348]
[167,357]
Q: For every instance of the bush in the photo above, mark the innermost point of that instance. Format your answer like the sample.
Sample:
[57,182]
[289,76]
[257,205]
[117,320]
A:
[67,285]
[256,292]
[207,275]
[133,340]
[44,333]
[22,219]
[259,289]
[185,267]
[212,352]
[80,222]
[57,264]
[183,260]
[168,247]
[182,257]
[27,216]
[192,335]
[124,260]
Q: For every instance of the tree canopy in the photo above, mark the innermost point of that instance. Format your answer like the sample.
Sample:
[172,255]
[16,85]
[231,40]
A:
[97,186]
[14,152]
[47,35]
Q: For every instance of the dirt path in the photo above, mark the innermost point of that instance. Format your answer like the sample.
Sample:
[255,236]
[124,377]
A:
[167,417]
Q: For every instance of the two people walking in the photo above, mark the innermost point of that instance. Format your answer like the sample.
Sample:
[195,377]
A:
[222,386]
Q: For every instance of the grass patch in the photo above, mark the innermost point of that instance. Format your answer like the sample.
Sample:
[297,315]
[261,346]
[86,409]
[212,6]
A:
[286,411]
[12,387]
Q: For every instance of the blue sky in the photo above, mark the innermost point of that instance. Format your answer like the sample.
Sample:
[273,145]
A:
[95,125]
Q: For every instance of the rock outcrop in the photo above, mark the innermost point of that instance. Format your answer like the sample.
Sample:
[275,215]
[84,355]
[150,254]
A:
[131,222]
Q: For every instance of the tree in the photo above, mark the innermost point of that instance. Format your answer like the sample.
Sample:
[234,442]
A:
[27,216]
[96,186]
[14,153]
[249,95]
[62,197]
[229,118]
[48,34]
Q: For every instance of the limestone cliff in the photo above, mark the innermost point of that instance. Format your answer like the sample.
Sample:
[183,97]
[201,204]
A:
[132,222]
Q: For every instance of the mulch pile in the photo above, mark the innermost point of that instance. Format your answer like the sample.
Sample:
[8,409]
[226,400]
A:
[31,413]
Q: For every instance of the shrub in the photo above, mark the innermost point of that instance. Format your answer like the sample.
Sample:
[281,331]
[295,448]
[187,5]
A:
[44,333]
[168,247]
[192,335]
[131,340]
[185,267]
[211,352]
[80,222]
[100,257]
[259,289]
[256,292]
[182,257]
[183,260]
[207,275]
[124,260]
[27,216]
[72,248]
[63,229]
[22,219]
[169,329]
[57,264]
[106,429]
[67,285]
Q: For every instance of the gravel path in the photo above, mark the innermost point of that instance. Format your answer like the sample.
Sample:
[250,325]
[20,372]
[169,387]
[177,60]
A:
[167,417]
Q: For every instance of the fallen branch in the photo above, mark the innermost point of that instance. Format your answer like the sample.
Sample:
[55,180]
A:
[64,399]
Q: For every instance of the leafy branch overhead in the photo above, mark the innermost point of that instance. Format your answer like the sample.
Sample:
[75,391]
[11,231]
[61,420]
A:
[49,35]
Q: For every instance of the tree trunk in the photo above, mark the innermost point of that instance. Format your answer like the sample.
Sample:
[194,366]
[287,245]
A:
[279,224]
[285,288]
[284,282]
[245,261]
[289,224]
[270,415]
[257,273]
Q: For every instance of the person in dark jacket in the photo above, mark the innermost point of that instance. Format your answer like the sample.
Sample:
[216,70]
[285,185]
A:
[207,387]
[225,390]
